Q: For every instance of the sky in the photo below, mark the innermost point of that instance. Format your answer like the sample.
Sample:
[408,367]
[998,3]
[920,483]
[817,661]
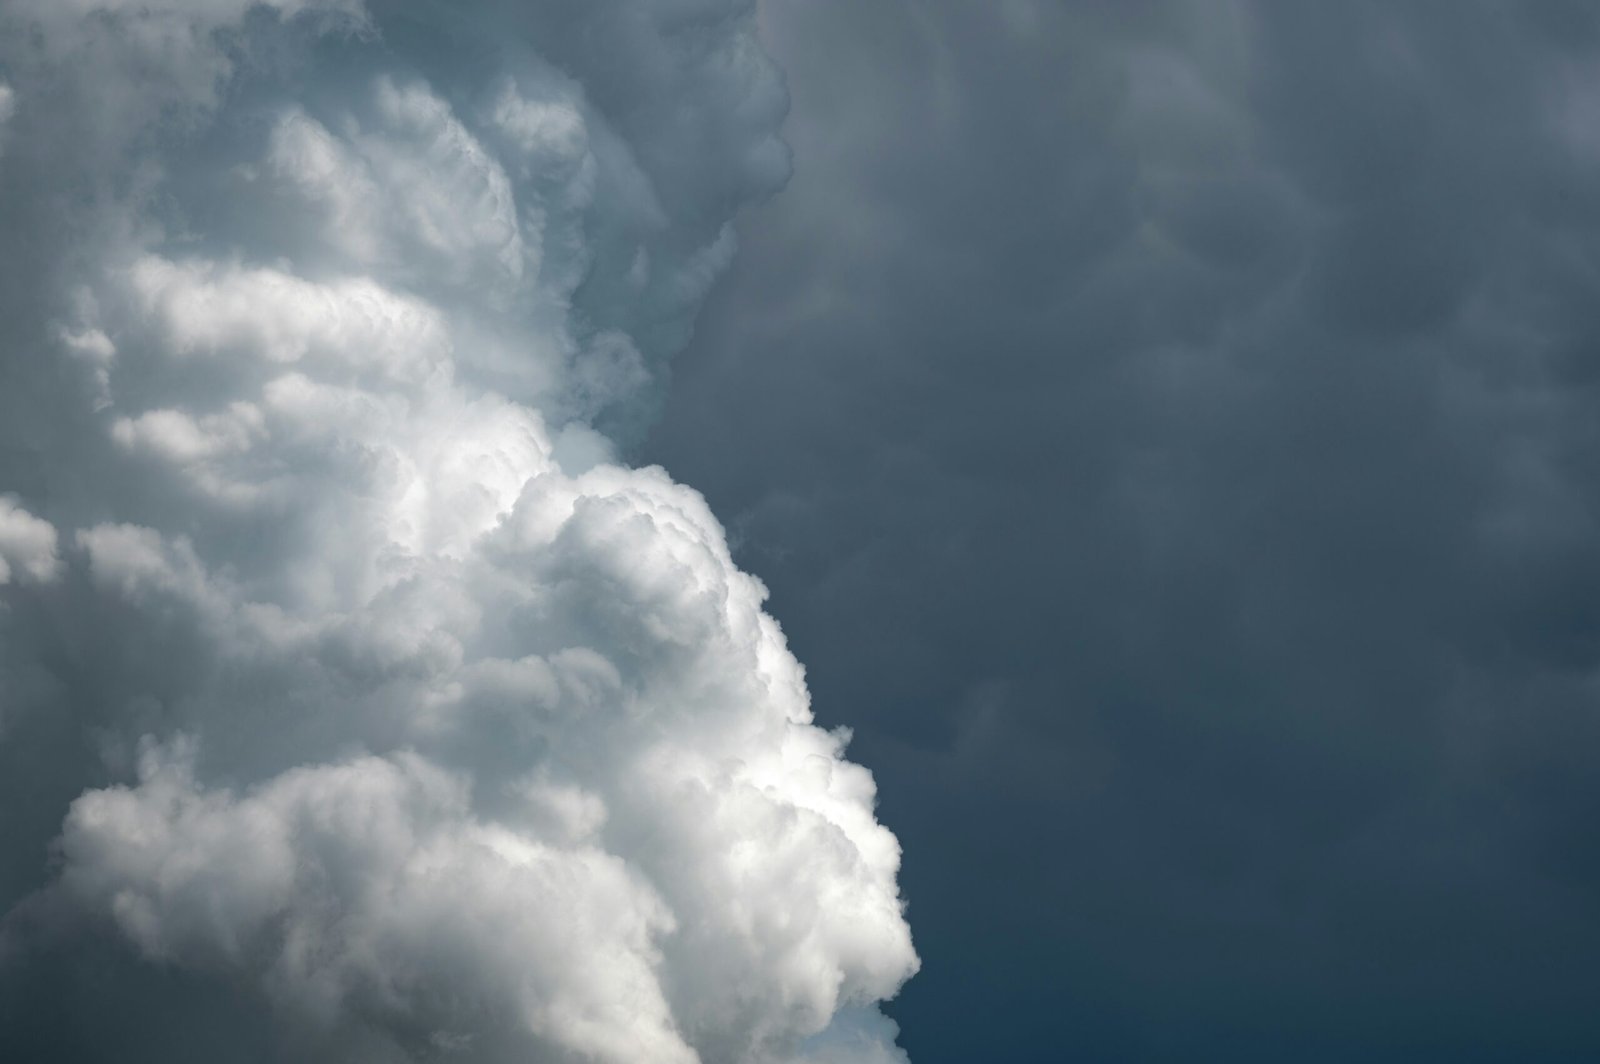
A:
[799,531]
[1168,431]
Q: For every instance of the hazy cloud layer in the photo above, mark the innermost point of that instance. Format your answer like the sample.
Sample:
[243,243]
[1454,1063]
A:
[357,704]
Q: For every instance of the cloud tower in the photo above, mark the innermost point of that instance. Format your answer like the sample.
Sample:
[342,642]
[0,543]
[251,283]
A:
[356,701]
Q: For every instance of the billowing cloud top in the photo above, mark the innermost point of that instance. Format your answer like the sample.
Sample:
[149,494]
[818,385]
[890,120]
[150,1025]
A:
[365,703]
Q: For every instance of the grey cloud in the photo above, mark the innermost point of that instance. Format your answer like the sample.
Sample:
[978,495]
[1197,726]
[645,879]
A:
[1166,429]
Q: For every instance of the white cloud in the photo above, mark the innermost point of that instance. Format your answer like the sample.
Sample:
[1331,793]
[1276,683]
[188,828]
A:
[417,189]
[368,891]
[27,545]
[453,736]
[269,315]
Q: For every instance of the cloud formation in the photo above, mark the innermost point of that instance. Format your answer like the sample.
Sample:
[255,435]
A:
[27,545]
[348,675]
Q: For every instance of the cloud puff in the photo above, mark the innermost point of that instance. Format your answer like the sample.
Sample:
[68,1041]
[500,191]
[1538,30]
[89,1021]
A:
[369,888]
[415,719]
[27,545]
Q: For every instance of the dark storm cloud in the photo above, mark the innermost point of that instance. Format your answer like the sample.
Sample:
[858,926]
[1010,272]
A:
[1169,431]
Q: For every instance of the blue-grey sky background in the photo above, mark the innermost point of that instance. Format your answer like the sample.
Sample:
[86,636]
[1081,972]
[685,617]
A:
[1170,433]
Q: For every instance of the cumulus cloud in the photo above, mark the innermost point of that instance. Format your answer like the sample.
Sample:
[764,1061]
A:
[377,690]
